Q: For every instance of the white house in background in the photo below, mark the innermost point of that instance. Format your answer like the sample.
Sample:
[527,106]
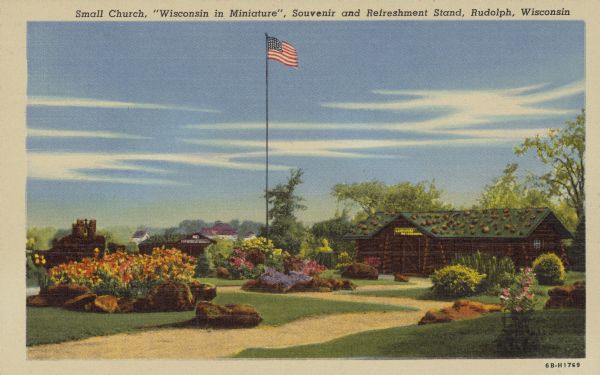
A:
[220,230]
[249,236]
[139,236]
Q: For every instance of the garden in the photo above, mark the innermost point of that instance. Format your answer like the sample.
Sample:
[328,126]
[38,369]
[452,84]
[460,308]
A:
[479,306]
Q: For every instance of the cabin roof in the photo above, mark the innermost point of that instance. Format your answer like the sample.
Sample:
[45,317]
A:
[490,223]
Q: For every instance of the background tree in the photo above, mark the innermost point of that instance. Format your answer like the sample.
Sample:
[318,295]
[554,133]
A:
[562,150]
[375,195]
[334,230]
[285,230]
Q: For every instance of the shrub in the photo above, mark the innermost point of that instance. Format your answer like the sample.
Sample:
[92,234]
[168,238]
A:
[360,271]
[549,269]
[499,273]
[374,262]
[343,260]
[202,266]
[325,254]
[455,281]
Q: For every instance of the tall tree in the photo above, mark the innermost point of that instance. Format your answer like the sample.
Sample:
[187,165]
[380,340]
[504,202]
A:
[562,150]
[334,231]
[375,195]
[285,230]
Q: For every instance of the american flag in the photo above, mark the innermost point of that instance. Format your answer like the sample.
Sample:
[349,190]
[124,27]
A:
[281,51]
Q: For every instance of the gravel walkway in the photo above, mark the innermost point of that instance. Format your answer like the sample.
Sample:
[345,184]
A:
[191,343]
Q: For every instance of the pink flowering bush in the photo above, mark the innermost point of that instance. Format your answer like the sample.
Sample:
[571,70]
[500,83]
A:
[519,337]
[313,268]
[520,297]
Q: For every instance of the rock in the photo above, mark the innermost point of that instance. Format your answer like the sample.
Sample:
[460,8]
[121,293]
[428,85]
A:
[57,295]
[209,314]
[568,296]
[38,301]
[125,305]
[223,273]
[171,296]
[79,302]
[360,271]
[461,309]
[105,303]
[401,278]
[141,305]
[202,292]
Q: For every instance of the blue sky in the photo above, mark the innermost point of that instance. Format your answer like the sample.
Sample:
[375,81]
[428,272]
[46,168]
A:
[153,123]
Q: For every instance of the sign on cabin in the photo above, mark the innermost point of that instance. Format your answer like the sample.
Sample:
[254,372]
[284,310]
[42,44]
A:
[407,231]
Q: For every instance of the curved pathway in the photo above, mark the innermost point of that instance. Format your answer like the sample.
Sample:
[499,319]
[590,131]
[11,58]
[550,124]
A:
[191,343]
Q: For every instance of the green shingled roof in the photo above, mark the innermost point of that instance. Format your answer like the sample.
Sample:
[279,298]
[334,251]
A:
[492,223]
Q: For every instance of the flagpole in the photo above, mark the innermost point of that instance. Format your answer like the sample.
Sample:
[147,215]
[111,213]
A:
[267,134]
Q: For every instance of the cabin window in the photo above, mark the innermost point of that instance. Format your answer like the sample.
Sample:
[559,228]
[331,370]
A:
[537,244]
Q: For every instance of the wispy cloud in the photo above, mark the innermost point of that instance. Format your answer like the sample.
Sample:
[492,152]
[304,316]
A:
[60,133]
[72,166]
[465,108]
[340,148]
[56,101]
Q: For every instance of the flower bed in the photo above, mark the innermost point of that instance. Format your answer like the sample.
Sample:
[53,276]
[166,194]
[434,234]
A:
[273,281]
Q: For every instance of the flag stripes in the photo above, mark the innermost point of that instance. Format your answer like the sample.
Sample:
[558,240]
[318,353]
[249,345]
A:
[282,51]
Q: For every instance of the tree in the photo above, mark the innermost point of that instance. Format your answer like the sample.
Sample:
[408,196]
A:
[563,151]
[334,231]
[285,230]
[375,195]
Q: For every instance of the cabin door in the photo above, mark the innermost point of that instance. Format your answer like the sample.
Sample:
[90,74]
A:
[410,251]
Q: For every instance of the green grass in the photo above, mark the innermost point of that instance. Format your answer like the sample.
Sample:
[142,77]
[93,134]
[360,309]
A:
[427,294]
[51,325]
[562,334]
[280,309]
[47,325]
[360,282]
[221,282]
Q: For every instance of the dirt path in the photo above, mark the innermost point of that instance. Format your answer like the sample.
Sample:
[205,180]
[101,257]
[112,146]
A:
[199,343]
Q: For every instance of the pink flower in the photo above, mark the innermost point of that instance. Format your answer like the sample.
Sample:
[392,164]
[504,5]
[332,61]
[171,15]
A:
[505,292]
[518,309]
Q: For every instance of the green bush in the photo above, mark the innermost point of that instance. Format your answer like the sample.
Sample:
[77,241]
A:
[455,281]
[499,273]
[549,269]
[202,265]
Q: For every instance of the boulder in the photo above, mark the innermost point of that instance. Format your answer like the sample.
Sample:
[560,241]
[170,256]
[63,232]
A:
[171,296]
[568,296]
[461,309]
[141,305]
[209,314]
[360,271]
[38,301]
[57,295]
[223,273]
[125,305]
[401,278]
[79,302]
[106,303]
[202,292]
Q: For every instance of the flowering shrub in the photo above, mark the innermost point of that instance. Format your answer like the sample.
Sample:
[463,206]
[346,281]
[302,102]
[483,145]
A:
[374,262]
[455,281]
[35,268]
[122,274]
[549,269]
[325,255]
[313,268]
[519,298]
[519,337]
[343,260]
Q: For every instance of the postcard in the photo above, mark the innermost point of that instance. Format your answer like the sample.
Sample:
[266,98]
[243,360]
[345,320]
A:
[321,186]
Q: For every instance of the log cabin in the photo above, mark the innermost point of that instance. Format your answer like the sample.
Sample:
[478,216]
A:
[420,242]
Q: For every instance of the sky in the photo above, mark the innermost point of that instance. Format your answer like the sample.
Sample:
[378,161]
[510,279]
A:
[153,123]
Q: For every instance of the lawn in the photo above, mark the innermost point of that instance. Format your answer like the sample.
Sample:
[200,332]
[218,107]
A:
[51,325]
[222,282]
[427,294]
[562,333]
[360,282]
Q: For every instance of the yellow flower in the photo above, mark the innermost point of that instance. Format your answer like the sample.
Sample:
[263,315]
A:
[43,261]
[37,261]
